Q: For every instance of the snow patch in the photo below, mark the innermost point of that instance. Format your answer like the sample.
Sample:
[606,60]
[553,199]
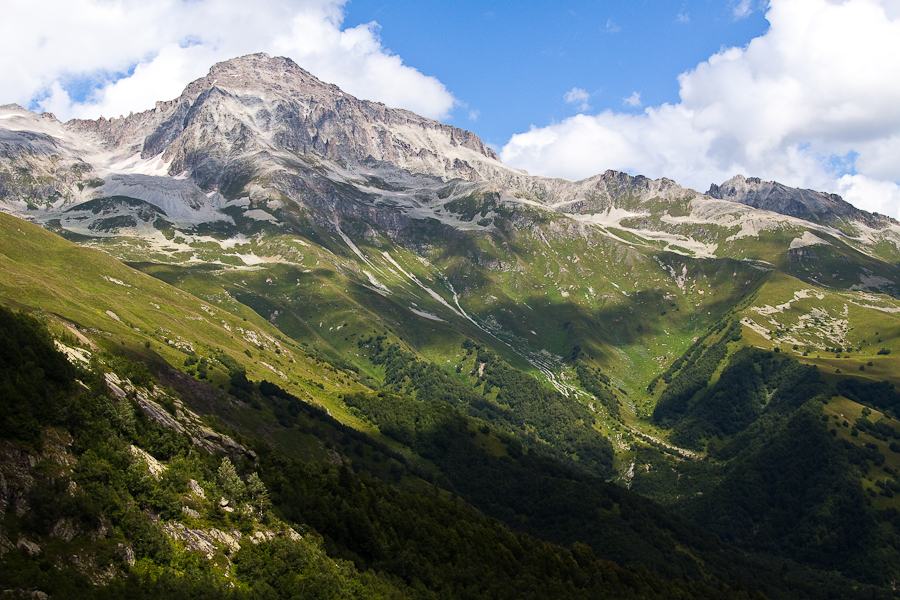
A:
[426,315]
[381,288]
[260,215]
[135,165]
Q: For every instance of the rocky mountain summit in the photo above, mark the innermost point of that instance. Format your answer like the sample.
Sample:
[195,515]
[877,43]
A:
[777,197]
[298,270]
[259,104]
[261,143]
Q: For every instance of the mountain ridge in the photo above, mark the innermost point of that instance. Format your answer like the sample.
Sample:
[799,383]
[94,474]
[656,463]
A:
[802,203]
[282,92]
[383,268]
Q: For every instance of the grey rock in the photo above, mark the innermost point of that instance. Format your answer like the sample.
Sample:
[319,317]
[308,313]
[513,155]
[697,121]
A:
[154,467]
[28,547]
[196,489]
[258,127]
[126,553]
[805,204]
[64,529]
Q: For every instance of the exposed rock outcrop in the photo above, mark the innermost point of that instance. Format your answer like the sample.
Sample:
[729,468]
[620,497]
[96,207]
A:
[794,202]
[184,420]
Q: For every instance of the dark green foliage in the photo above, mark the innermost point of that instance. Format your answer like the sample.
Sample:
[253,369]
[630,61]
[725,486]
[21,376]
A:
[240,386]
[230,364]
[32,375]
[544,418]
[230,482]
[401,545]
[742,393]
[879,395]
[530,493]
[596,383]
[431,543]
[108,489]
[534,493]
[136,372]
[286,569]
[879,430]
[694,351]
[785,485]
[694,371]
[288,407]
[794,495]
[565,425]
[203,368]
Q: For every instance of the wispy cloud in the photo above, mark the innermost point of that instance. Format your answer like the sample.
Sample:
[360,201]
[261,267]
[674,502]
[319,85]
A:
[683,17]
[579,97]
[611,27]
[634,100]
[474,114]
[742,9]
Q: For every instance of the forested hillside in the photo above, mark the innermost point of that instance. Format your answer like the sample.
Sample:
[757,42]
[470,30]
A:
[270,340]
[117,505]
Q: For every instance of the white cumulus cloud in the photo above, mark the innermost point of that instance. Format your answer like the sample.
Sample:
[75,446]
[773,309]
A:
[130,53]
[814,102]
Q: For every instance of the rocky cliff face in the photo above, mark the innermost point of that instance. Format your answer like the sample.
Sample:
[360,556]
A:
[260,140]
[259,104]
[779,198]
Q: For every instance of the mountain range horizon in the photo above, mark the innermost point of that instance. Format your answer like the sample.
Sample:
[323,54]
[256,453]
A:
[267,319]
[291,67]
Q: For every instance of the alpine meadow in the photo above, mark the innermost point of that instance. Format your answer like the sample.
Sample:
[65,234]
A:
[268,340]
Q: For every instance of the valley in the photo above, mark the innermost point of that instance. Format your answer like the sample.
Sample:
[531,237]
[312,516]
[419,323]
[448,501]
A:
[666,392]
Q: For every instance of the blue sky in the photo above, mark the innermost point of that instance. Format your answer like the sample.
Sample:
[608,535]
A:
[804,92]
[513,62]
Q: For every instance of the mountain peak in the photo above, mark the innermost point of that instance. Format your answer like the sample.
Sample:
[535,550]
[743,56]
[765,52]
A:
[795,202]
[262,104]
[261,73]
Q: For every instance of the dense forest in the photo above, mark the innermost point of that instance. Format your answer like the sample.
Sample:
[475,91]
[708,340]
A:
[331,532]
[779,479]
[505,398]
